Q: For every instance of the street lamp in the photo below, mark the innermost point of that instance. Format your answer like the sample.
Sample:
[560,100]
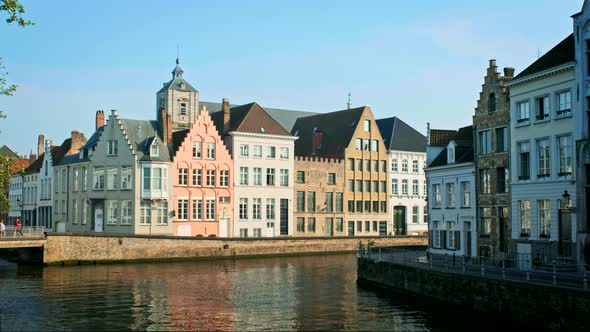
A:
[567,203]
[19,204]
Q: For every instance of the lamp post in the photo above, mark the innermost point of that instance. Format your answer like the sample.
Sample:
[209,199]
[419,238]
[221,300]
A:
[565,225]
[19,203]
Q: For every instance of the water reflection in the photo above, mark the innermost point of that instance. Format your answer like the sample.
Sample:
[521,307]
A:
[296,293]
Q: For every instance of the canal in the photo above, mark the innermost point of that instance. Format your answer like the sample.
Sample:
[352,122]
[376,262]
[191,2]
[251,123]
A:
[273,294]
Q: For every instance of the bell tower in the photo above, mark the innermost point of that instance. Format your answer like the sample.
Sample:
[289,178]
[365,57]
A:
[179,99]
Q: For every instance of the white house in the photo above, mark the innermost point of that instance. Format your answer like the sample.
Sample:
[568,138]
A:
[542,103]
[451,197]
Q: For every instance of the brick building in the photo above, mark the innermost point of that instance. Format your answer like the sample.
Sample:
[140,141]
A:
[492,123]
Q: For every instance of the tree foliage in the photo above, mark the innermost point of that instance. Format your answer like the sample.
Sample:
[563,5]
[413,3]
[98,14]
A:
[15,11]
[7,164]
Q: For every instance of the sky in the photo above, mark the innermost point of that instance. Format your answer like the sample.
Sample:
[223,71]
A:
[423,61]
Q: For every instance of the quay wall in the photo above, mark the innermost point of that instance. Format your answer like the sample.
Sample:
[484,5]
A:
[106,248]
[538,306]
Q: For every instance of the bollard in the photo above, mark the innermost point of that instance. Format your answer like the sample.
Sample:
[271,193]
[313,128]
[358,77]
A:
[503,271]
[554,274]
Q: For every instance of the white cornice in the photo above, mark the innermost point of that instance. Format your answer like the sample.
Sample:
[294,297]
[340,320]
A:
[542,74]
[279,137]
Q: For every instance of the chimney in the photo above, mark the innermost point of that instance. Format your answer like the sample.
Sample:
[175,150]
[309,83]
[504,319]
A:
[427,133]
[78,140]
[40,145]
[492,63]
[226,114]
[316,141]
[32,156]
[509,72]
[99,119]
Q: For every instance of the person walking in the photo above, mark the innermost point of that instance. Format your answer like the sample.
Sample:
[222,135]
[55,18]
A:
[17,231]
[2,228]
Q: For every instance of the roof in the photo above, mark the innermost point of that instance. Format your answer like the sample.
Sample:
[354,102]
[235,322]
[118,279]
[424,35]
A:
[90,144]
[176,82]
[249,118]
[178,138]
[286,118]
[337,129]
[441,137]
[6,151]
[464,151]
[57,153]
[399,136]
[141,133]
[562,53]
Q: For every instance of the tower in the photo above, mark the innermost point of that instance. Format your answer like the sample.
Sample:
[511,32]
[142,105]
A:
[179,99]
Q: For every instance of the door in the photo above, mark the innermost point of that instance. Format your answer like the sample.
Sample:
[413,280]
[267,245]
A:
[351,228]
[61,227]
[399,220]
[329,227]
[383,228]
[270,229]
[98,217]
[523,256]
[468,239]
[284,215]
[565,232]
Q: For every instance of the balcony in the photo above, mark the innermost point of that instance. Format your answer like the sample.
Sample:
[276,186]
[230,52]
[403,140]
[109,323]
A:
[154,194]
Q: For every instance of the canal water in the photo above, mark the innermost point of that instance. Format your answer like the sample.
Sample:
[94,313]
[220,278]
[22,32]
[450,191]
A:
[267,294]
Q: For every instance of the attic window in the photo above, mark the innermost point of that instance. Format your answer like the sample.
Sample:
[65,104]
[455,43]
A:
[367,125]
[261,130]
[155,149]
[296,132]
[182,108]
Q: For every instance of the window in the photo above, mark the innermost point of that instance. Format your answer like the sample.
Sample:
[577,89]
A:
[244,176]
[197,177]
[210,209]
[350,164]
[367,206]
[145,212]
[564,103]
[522,112]
[415,188]
[197,209]
[544,218]
[311,201]
[565,155]
[465,194]
[544,166]
[84,178]
[112,148]
[492,102]
[84,212]
[182,108]
[257,151]
[126,212]
[374,145]
[301,201]
[243,232]
[224,178]
[284,178]
[367,186]
[375,165]
[383,166]
[339,202]
[300,225]
[112,212]
[257,176]
[359,186]
[383,207]
[112,179]
[351,186]
[244,150]
[98,179]
[243,208]
[383,186]
[359,206]
[394,186]
[501,139]
[405,166]
[542,108]
[415,166]
[436,193]
[503,181]
[329,202]
[525,217]
[256,208]
[367,165]
[450,195]
[182,176]
[485,142]
[524,166]
[155,149]
[311,225]
[415,214]
[339,225]
[75,211]
[301,176]
[271,152]
[270,176]
[210,178]
[359,165]
[375,206]
[484,178]
[367,226]
[394,165]
[210,150]
[404,187]
[359,144]
[331,178]
[197,150]
[76,180]
[367,125]
[182,209]
[425,213]
[162,213]
[126,178]
[284,153]
[223,199]
[359,226]
[366,145]
[270,208]
[375,186]
[486,221]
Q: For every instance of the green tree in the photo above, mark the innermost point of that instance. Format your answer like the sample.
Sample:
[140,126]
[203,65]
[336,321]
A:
[8,166]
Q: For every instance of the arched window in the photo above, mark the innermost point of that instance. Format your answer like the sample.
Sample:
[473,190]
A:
[492,102]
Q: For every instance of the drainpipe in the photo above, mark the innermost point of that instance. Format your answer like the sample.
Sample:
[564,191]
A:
[67,198]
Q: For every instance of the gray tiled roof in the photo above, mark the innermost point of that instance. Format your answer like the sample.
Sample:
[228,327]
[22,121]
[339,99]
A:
[90,144]
[177,80]
[464,151]
[399,136]
[560,54]
[141,133]
[6,151]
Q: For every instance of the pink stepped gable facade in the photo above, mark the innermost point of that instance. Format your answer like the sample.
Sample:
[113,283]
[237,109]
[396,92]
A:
[203,181]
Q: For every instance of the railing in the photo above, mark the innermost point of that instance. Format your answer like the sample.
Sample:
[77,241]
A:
[520,269]
[25,231]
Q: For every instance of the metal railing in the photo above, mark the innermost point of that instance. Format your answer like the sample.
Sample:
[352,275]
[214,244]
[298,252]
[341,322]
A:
[520,269]
[25,231]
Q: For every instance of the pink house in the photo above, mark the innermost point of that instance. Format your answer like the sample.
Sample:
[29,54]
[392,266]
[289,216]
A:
[203,181]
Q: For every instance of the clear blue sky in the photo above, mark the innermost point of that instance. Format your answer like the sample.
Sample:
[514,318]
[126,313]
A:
[423,61]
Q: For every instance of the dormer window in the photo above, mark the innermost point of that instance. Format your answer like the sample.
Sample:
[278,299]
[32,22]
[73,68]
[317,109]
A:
[182,108]
[451,153]
[367,125]
[112,148]
[155,149]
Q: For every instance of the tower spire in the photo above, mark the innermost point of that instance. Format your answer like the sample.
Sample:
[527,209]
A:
[177,54]
[348,103]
